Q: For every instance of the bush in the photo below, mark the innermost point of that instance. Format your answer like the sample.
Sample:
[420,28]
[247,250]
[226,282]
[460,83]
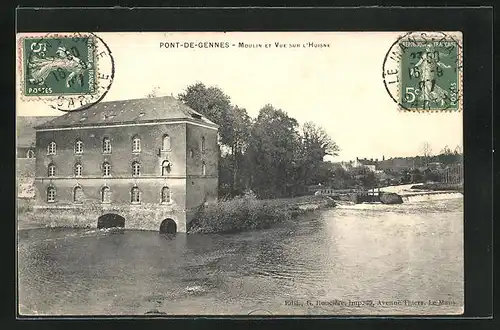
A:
[238,214]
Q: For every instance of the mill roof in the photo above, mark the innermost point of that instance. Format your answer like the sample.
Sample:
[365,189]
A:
[129,111]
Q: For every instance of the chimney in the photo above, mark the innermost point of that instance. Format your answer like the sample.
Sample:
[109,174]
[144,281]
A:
[383,157]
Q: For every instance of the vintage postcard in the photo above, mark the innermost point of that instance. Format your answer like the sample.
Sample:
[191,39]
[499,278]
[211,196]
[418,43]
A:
[240,173]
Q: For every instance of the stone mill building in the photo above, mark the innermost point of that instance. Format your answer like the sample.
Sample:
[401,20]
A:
[142,163]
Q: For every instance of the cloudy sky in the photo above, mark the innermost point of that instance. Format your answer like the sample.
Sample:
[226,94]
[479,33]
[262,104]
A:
[339,87]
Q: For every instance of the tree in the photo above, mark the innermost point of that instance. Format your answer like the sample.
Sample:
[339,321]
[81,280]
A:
[267,154]
[271,153]
[342,179]
[318,141]
[211,102]
[326,173]
[446,151]
[238,134]
[416,176]
[234,129]
[447,156]
[363,177]
[314,145]
[154,92]
[430,175]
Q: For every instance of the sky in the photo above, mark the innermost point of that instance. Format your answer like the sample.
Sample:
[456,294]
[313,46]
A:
[339,87]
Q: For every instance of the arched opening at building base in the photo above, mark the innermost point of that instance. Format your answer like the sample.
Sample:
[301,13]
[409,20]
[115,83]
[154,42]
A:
[110,220]
[168,226]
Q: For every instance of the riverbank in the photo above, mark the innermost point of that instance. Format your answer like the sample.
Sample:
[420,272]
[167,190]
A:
[248,213]
[239,214]
[438,186]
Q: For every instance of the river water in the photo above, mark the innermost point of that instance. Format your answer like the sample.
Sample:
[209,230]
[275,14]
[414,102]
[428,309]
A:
[361,259]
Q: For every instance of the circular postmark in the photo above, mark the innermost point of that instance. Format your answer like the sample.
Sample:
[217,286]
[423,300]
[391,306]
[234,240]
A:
[67,71]
[422,71]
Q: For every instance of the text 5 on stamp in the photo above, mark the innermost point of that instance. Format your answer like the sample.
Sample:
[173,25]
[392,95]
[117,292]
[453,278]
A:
[69,71]
[422,71]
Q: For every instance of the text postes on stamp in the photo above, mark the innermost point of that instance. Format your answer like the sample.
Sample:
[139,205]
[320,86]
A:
[70,71]
[422,71]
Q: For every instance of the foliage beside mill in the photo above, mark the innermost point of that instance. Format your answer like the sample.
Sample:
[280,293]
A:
[247,212]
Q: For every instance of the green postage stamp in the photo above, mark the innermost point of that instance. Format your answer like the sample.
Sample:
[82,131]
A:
[423,71]
[59,65]
[74,69]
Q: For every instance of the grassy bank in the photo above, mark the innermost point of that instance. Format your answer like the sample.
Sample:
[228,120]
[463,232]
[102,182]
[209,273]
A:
[438,186]
[247,213]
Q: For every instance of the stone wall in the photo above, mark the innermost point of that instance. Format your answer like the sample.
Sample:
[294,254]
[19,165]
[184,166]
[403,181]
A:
[25,167]
[25,175]
[142,217]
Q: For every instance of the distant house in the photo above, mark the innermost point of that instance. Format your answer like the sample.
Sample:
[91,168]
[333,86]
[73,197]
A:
[371,163]
[344,165]
[396,164]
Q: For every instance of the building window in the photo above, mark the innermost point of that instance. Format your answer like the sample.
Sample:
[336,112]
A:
[202,143]
[78,195]
[165,143]
[106,169]
[165,167]
[78,169]
[51,170]
[51,194]
[136,144]
[135,195]
[30,154]
[203,168]
[79,147]
[165,195]
[136,168]
[51,148]
[105,195]
[191,153]
[106,145]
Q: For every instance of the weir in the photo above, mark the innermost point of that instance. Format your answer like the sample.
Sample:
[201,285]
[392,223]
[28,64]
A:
[380,196]
[433,195]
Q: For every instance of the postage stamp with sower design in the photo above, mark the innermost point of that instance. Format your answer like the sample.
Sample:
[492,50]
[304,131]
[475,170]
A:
[429,74]
[59,65]
[67,71]
[422,72]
